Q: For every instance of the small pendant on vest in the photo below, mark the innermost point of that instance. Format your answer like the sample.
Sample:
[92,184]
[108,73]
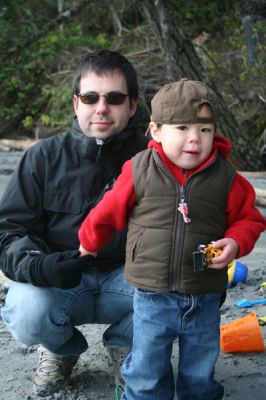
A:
[183,208]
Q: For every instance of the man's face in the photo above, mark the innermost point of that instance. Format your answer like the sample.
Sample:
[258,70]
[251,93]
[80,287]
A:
[102,119]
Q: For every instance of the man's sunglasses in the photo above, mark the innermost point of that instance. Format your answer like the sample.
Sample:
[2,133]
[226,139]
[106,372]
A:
[113,98]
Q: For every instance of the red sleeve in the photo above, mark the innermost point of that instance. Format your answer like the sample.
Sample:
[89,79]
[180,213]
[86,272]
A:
[245,222]
[110,213]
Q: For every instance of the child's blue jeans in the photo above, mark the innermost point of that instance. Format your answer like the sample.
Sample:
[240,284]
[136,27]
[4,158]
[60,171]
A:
[159,319]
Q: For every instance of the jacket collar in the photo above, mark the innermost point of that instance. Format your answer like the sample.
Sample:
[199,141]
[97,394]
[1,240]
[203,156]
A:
[91,148]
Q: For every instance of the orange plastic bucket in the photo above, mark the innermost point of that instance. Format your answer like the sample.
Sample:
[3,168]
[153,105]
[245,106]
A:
[242,335]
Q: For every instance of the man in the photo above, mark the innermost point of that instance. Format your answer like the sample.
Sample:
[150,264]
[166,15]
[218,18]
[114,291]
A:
[55,185]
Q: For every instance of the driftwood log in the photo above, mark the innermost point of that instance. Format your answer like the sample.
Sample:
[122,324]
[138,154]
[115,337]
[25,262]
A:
[260,197]
[16,144]
[260,192]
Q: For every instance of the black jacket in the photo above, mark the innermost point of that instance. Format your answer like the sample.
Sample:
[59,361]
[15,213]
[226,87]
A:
[53,188]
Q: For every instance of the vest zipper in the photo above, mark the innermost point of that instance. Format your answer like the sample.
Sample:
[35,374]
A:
[182,220]
[182,207]
[175,268]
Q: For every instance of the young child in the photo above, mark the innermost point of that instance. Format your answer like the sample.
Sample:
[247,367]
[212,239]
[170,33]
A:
[177,194]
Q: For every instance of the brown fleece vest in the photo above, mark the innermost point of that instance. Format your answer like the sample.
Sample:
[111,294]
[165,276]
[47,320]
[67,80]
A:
[160,245]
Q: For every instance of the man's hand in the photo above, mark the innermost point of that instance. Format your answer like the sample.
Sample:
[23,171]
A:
[61,269]
[230,249]
[84,252]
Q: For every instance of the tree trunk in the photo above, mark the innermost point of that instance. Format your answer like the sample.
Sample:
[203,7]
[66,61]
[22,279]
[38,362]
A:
[182,61]
[60,9]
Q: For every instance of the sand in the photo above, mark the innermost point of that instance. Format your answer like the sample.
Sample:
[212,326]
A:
[242,374]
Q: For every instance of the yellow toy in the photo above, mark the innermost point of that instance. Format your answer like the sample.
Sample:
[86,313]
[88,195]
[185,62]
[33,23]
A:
[204,255]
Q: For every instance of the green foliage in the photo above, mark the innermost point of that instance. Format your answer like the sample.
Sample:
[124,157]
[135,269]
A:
[99,42]
[36,83]
[59,109]
[28,122]
[36,79]
[201,15]
[241,82]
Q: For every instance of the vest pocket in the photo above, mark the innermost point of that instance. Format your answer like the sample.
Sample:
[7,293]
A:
[136,245]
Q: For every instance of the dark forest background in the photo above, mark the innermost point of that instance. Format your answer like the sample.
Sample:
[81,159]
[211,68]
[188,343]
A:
[222,43]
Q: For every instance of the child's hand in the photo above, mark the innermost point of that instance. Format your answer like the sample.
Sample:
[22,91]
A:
[230,249]
[84,252]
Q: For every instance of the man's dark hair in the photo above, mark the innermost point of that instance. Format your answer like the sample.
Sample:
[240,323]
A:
[104,61]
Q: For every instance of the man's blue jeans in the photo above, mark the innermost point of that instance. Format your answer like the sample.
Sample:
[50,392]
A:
[159,319]
[49,316]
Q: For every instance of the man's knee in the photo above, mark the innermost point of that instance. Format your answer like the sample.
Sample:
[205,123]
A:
[26,308]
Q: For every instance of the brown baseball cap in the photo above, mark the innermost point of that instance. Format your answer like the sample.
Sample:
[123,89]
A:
[178,102]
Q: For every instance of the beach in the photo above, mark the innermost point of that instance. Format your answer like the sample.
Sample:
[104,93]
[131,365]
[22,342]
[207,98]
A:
[242,374]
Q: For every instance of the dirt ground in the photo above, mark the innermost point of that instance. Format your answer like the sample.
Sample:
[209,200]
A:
[242,374]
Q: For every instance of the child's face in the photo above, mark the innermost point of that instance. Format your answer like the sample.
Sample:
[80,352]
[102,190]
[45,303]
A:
[186,145]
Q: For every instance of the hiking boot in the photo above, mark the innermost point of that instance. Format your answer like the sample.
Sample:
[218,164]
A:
[53,372]
[116,357]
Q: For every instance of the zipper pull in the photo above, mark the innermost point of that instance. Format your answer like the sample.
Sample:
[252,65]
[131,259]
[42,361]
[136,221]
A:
[182,207]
